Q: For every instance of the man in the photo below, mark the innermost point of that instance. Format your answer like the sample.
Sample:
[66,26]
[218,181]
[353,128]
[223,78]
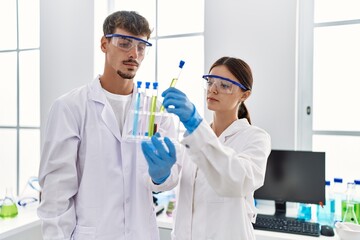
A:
[95,183]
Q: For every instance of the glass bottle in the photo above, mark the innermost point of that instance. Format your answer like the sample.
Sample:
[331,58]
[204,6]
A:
[357,199]
[349,215]
[8,208]
[339,196]
[171,203]
[146,109]
[325,212]
[139,94]
[152,126]
[304,211]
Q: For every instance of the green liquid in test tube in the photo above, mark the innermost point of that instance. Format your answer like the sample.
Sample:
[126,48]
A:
[146,109]
[174,80]
[153,109]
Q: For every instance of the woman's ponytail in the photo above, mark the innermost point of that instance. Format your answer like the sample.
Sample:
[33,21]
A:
[243,112]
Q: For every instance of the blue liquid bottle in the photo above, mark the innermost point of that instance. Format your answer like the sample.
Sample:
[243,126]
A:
[304,212]
[339,196]
[325,212]
[137,109]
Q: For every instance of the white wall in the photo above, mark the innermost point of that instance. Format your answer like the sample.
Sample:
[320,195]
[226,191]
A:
[67,42]
[263,33]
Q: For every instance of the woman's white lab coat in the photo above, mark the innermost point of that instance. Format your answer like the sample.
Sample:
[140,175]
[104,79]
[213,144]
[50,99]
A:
[95,184]
[215,199]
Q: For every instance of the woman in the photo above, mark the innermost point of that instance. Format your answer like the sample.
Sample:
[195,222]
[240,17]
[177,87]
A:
[226,160]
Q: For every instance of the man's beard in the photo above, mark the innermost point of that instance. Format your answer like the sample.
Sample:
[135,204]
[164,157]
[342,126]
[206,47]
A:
[125,75]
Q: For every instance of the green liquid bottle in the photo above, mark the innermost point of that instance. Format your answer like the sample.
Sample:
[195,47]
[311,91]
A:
[8,211]
[357,210]
[357,198]
[349,214]
[170,207]
[8,208]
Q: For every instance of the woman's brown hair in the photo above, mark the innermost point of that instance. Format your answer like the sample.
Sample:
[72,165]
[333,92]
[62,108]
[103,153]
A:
[242,71]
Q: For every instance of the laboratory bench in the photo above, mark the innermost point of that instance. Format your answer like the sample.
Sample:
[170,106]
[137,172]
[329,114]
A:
[165,223]
[27,226]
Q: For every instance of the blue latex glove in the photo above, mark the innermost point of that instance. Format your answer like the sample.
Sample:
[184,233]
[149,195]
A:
[182,107]
[159,159]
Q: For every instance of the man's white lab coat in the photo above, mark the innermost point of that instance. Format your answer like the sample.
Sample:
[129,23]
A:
[218,179]
[95,183]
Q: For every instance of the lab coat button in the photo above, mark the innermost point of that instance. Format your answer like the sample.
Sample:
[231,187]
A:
[187,146]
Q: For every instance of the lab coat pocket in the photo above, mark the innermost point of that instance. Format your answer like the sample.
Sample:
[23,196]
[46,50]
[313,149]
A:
[84,233]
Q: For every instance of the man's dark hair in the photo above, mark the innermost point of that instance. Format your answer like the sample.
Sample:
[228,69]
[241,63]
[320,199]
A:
[130,21]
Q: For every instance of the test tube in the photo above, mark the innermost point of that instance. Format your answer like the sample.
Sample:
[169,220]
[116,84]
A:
[174,80]
[153,109]
[146,109]
[136,109]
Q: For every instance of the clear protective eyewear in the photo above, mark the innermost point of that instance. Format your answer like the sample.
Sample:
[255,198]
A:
[30,193]
[223,85]
[23,202]
[126,43]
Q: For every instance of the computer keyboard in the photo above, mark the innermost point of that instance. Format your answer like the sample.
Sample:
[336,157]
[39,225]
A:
[286,225]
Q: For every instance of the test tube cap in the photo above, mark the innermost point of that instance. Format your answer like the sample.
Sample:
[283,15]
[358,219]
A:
[338,180]
[139,84]
[147,85]
[181,63]
[155,85]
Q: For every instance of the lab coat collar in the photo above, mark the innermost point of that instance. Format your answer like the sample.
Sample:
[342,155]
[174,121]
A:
[97,94]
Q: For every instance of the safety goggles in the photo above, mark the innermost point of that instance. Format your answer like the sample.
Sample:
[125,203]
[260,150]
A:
[222,84]
[126,43]
[23,202]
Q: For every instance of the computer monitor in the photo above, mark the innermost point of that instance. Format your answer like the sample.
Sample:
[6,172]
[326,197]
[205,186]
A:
[293,176]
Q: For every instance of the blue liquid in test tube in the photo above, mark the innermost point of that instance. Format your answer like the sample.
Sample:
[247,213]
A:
[136,110]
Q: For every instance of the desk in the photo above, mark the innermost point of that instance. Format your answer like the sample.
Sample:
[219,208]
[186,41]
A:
[165,225]
[27,226]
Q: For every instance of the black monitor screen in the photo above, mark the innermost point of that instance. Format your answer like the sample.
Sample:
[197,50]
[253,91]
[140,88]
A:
[294,176]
